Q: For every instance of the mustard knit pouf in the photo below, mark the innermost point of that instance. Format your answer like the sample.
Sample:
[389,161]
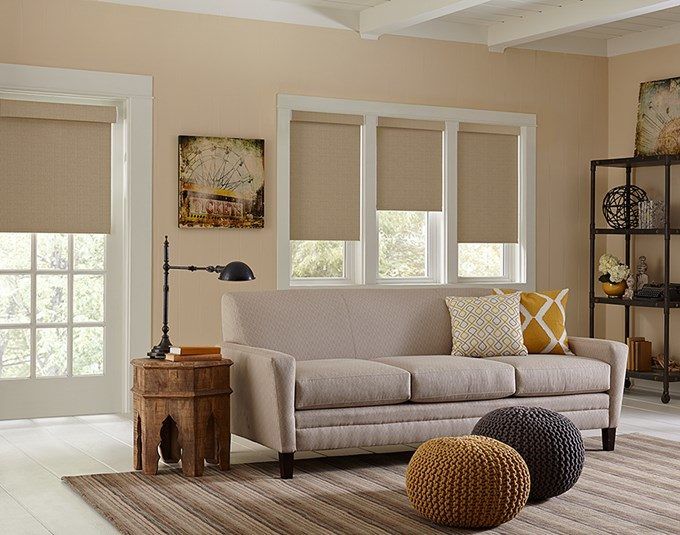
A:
[467,482]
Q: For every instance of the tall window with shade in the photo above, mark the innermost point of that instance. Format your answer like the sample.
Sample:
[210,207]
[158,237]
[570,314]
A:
[56,217]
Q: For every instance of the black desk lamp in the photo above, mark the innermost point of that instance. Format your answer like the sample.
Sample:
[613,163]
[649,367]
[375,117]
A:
[233,271]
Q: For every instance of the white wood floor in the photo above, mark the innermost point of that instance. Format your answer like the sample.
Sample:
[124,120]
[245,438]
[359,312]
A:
[34,454]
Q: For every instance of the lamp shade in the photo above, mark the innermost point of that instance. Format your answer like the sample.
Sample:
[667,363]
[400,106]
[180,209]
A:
[237,271]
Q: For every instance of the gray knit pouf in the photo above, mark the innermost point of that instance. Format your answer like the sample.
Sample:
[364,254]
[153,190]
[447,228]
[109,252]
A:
[549,443]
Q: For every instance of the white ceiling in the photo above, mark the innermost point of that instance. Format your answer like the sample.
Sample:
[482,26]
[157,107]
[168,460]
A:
[656,20]
[496,11]
[596,27]
[354,5]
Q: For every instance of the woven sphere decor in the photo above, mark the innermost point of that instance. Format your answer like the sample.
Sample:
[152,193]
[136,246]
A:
[467,482]
[614,206]
[550,444]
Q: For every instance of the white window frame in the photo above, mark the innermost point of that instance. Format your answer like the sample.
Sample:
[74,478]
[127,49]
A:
[519,260]
[131,217]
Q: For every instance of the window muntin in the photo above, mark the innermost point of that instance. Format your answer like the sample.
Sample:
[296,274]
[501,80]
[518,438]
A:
[52,295]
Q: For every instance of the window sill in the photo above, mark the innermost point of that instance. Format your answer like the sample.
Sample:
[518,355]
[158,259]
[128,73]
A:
[321,283]
[520,286]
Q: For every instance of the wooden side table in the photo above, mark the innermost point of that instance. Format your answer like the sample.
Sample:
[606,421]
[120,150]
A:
[184,407]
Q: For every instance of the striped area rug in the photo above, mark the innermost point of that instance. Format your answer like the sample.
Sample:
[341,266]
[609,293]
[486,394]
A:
[634,490]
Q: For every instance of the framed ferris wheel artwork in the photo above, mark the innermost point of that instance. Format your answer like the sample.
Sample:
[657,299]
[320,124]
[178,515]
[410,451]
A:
[658,124]
[221,182]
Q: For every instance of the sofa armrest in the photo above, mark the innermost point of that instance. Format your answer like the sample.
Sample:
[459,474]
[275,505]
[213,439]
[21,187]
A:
[263,399]
[616,355]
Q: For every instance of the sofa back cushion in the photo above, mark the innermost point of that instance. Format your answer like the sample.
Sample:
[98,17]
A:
[395,322]
[307,324]
[342,323]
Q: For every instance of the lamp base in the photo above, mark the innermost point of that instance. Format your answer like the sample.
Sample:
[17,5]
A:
[161,349]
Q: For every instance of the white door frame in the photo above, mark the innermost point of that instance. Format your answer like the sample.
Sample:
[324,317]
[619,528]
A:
[136,92]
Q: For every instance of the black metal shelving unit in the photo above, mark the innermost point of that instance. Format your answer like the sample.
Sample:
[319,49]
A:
[663,375]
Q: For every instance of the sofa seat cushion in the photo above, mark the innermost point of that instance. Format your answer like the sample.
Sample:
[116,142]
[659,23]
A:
[336,383]
[442,378]
[555,375]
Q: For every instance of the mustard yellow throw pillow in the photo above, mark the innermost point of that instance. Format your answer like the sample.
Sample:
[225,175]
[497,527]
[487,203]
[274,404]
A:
[543,316]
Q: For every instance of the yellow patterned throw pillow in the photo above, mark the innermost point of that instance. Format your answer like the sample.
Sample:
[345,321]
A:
[543,316]
[486,326]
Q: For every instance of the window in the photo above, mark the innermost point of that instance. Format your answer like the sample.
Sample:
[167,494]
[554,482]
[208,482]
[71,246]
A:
[52,291]
[446,196]
[492,262]
[402,245]
[317,259]
[408,246]
[480,260]
[92,383]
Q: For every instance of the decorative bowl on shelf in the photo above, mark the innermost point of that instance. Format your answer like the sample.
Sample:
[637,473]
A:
[614,289]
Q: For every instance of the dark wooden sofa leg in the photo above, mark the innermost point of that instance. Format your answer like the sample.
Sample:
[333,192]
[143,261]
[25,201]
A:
[286,465]
[608,438]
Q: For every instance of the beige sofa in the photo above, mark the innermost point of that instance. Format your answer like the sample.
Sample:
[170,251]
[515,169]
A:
[339,368]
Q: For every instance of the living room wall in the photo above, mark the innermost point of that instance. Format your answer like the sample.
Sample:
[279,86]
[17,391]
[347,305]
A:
[220,76]
[625,74]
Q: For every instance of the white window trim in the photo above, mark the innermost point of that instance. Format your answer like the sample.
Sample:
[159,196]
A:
[135,93]
[365,257]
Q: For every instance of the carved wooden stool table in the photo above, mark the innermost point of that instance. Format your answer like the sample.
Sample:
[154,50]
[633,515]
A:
[184,407]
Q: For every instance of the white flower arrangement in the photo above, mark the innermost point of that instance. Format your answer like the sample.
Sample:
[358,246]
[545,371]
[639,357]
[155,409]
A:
[612,269]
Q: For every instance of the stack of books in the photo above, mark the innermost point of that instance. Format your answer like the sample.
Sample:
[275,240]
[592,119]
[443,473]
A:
[193,354]
[639,354]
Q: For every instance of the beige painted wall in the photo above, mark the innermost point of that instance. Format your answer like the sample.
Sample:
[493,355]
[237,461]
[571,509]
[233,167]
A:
[220,76]
[625,74]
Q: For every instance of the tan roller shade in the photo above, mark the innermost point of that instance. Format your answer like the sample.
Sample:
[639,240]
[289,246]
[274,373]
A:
[329,118]
[488,184]
[55,167]
[325,171]
[489,128]
[409,165]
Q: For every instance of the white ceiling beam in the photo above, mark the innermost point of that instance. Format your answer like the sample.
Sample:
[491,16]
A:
[396,15]
[569,18]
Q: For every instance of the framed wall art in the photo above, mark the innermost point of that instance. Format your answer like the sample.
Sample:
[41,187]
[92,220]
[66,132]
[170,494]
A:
[658,123]
[221,182]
